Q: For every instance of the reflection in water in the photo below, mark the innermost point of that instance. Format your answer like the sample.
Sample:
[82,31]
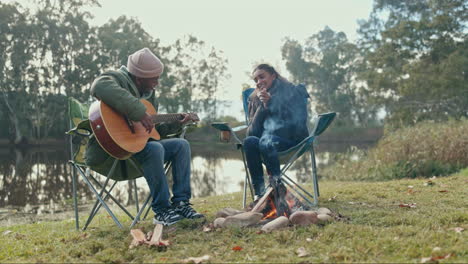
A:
[39,180]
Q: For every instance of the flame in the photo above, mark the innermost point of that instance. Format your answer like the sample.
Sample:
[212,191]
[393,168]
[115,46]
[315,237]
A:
[272,212]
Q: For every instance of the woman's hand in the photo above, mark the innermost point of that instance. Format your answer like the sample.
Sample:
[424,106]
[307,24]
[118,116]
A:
[264,97]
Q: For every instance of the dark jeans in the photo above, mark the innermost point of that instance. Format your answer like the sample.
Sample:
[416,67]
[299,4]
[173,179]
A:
[152,159]
[265,148]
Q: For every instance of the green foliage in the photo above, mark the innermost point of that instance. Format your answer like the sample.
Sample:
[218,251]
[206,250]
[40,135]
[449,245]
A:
[378,231]
[416,54]
[425,150]
[330,64]
[53,52]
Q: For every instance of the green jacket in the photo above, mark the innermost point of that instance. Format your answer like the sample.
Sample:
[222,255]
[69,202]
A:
[117,90]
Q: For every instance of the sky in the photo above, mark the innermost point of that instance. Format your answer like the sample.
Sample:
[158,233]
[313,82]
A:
[248,32]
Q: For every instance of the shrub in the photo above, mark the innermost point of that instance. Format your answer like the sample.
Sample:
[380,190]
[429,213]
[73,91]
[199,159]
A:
[424,150]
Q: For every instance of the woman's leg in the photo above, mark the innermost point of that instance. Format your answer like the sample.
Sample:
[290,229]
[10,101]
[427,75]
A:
[254,163]
[269,146]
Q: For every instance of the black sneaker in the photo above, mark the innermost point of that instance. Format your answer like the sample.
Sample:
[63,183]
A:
[184,209]
[166,217]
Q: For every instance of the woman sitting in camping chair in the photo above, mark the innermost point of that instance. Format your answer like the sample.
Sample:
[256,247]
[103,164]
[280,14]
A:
[277,121]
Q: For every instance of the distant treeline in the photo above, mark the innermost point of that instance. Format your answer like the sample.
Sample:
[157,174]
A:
[410,64]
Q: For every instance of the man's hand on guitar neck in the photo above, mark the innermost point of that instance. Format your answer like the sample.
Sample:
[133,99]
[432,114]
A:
[187,118]
[147,122]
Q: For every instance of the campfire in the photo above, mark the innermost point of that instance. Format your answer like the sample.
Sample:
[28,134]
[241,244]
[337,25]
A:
[279,203]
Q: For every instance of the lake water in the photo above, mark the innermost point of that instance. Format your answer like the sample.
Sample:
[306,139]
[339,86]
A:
[37,182]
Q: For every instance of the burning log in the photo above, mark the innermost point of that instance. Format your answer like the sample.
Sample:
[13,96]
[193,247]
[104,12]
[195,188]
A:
[261,202]
[279,190]
[278,201]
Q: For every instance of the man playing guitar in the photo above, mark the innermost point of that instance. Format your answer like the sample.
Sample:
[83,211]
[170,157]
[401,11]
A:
[121,92]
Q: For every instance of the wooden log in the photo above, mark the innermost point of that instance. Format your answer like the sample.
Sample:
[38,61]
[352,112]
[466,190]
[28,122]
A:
[138,238]
[259,206]
[157,234]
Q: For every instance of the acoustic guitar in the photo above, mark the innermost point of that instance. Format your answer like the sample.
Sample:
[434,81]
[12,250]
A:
[121,137]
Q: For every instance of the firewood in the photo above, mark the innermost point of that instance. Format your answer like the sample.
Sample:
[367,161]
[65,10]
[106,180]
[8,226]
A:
[138,238]
[258,207]
[157,235]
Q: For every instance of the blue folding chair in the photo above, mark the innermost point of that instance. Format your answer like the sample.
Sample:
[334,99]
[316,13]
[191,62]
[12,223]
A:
[287,157]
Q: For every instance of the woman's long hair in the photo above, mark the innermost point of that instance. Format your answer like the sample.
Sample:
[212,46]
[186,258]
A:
[271,70]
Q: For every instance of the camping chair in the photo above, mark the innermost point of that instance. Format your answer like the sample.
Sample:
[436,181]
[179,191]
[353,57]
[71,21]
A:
[121,170]
[287,157]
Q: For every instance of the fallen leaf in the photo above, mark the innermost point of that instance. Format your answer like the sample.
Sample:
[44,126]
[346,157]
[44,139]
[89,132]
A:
[436,249]
[435,258]
[309,239]
[196,260]
[410,205]
[457,229]
[208,228]
[7,232]
[442,191]
[429,183]
[237,248]
[332,198]
[425,260]
[301,252]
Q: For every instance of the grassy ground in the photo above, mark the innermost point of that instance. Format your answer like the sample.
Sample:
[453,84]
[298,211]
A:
[378,230]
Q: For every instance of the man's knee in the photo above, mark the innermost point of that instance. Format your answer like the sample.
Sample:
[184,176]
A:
[183,144]
[156,149]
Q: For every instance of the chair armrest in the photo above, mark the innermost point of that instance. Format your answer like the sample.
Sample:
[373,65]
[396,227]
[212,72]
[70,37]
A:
[225,127]
[82,129]
[240,128]
[185,127]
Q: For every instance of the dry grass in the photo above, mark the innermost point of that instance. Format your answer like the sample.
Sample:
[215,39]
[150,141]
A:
[425,150]
[379,231]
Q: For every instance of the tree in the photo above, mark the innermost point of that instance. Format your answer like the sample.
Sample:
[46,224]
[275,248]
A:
[417,59]
[50,52]
[329,63]
[54,53]
[193,75]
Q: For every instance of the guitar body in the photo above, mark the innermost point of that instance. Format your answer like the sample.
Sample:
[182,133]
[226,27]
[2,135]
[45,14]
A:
[113,132]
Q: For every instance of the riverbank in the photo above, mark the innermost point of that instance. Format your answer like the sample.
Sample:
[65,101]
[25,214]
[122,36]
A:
[207,134]
[407,220]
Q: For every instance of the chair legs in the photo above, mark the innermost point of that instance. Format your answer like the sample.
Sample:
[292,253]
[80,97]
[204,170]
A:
[101,198]
[310,198]
[90,185]
[75,198]
[314,174]
[247,181]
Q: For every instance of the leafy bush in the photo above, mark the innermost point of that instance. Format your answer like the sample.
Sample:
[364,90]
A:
[424,150]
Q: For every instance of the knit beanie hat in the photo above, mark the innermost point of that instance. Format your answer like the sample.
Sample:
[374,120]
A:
[144,64]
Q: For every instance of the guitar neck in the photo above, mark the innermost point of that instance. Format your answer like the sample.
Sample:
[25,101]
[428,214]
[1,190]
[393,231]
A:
[166,118]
